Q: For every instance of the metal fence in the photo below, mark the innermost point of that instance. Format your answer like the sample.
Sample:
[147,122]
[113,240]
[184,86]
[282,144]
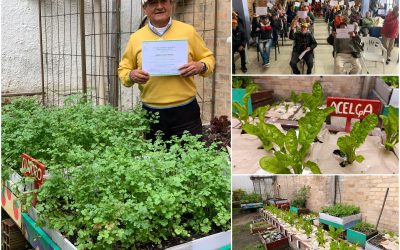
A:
[81,43]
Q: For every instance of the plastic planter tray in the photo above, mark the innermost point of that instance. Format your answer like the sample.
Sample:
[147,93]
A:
[275,245]
[358,237]
[336,222]
[36,236]
[220,241]
[251,205]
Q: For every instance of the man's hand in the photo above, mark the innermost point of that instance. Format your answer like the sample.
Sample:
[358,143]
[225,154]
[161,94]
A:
[139,76]
[191,69]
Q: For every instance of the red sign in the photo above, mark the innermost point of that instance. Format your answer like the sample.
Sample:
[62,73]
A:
[34,168]
[353,108]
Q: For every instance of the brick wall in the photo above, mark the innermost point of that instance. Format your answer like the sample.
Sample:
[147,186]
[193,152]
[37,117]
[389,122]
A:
[367,192]
[201,14]
[343,86]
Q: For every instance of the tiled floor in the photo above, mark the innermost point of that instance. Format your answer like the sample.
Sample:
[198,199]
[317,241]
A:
[323,58]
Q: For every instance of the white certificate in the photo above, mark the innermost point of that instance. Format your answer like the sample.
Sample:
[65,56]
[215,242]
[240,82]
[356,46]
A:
[341,3]
[342,33]
[261,11]
[164,57]
[381,12]
[270,5]
[352,3]
[302,14]
[350,27]
[297,4]
[306,4]
[333,3]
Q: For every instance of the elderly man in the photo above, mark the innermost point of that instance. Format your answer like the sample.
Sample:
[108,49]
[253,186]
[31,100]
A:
[172,97]
[303,48]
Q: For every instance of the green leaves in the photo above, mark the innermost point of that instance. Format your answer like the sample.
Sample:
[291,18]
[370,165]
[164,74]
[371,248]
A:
[241,111]
[314,100]
[341,210]
[391,125]
[349,143]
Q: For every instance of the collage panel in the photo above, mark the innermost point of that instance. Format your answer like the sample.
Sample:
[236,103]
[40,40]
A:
[315,125]
[319,37]
[315,212]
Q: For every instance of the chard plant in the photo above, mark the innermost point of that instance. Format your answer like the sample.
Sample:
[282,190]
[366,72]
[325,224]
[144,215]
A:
[267,133]
[307,227]
[291,155]
[241,111]
[349,143]
[335,233]
[391,125]
[312,101]
[320,236]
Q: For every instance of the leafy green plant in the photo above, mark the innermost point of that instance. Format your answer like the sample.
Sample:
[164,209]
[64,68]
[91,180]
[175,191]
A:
[250,198]
[392,81]
[292,153]
[334,245]
[241,111]
[295,98]
[391,125]
[341,210]
[291,218]
[267,133]
[307,227]
[320,236]
[315,99]
[300,198]
[110,188]
[237,194]
[242,82]
[335,233]
[299,223]
[349,143]
[364,227]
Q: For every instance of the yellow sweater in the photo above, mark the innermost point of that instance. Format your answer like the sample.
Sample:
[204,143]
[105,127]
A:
[165,91]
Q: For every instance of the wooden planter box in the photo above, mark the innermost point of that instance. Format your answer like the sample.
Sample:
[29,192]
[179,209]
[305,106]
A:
[336,222]
[275,245]
[262,98]
[358,237]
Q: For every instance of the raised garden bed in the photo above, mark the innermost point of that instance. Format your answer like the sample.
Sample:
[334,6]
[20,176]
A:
[360,238]
[260,227]
[340,216]
[299,211]
[273,240]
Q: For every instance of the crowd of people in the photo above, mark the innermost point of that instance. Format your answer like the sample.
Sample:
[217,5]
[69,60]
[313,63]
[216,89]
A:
[296,21]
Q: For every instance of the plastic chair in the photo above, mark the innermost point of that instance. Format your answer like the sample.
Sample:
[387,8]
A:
[373,51]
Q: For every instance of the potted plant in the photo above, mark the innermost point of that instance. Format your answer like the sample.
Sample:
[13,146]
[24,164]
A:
[340,215]
[360,233]
[298,203]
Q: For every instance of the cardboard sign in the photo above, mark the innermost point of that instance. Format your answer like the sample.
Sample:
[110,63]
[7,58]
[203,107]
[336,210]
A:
[302,14]
[261,11]
[353,108]
[34,168]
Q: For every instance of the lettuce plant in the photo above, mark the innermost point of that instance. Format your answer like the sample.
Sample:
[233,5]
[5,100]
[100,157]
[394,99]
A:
[391,124]
[320,236]
[295,148]
[349,143]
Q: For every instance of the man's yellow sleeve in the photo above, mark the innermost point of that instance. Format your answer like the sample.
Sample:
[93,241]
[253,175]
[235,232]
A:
[127,63]
[203,54]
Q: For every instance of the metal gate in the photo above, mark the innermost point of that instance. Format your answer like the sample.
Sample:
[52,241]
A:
[81,43]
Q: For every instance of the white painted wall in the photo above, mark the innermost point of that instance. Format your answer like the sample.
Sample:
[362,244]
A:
[20,47]
[242,182]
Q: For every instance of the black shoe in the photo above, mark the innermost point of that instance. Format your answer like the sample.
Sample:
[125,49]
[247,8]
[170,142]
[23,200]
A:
[387,61]
[244,70]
